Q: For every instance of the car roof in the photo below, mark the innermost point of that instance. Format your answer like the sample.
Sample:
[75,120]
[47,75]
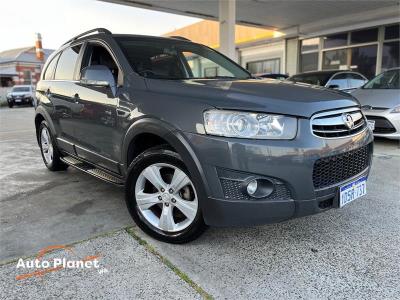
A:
[326,72]
[128,36]
[150,37]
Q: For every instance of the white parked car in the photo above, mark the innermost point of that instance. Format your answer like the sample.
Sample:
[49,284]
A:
[334,79]
[380,100]
[21,94]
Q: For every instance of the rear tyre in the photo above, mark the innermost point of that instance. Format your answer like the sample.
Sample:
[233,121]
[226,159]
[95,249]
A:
[162,198]
[50,154]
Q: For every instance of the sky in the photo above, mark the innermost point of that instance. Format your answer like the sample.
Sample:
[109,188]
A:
[59,20]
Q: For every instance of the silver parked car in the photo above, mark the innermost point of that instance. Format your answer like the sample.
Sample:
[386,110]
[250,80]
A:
[338,80]
[380,99]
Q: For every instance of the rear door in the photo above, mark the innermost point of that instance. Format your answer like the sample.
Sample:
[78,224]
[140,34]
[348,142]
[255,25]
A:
[60,91]
[96,122]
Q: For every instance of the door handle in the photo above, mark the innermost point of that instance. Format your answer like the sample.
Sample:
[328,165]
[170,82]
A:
[76,98]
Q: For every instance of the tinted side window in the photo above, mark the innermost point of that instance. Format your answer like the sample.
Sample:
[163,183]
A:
[98,55]
[66,63]
[339,80]
[48,75]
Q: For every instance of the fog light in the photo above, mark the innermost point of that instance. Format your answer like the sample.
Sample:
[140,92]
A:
[252,187]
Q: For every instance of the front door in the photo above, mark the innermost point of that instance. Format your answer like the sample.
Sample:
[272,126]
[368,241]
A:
[96,125]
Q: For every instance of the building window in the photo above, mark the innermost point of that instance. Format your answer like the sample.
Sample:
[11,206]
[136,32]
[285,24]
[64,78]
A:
[390,49]
[6,81]
[392,32]
[309,62]
[309,55]
[211,72]
[390,55]
[264,66]
[27,76]
[364,36]
[336,40]
[309,45]
[335,59]
[363,60]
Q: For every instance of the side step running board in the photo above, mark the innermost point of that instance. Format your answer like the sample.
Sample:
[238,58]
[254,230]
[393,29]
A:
[92,170]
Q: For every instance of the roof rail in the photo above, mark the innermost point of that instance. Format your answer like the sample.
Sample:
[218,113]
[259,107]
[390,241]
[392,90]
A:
[179,38]
[99,30]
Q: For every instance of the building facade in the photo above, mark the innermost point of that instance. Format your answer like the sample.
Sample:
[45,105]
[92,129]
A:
[367,49]
[21,66]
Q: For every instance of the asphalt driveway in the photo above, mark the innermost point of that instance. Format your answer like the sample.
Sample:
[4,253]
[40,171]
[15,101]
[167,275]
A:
[348,253]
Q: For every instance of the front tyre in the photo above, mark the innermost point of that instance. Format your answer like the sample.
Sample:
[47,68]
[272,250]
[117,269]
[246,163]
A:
[50,154]
[162,198]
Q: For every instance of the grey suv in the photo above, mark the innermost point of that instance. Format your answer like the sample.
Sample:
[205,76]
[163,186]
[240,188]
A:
[195,139]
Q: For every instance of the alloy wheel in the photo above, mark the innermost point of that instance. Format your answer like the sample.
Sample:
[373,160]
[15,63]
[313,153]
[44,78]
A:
[166,197]
[47,146]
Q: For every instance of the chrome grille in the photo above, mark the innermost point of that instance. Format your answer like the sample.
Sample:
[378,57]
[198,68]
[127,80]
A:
[339,123]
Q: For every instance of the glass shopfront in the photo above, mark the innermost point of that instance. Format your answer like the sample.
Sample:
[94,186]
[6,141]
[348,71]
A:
[264,66]
[368,51]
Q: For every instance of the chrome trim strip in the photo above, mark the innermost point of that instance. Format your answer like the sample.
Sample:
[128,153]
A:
[336,120]
[344,130]
[325,116]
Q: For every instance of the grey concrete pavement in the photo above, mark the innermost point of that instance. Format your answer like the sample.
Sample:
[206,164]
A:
[40,208]
[348,253]
[126,271]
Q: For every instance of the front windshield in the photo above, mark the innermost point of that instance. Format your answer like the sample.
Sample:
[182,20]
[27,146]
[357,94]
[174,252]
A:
[171,59]
[21,89]
[312,78]
[385,81]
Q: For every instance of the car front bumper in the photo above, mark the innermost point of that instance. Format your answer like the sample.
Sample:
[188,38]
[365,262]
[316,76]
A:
[228,162]
[386,124]
[21,100]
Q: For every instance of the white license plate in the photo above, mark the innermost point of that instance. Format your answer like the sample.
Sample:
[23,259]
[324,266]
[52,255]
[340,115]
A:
[371,125]
[352,191]
[17,100]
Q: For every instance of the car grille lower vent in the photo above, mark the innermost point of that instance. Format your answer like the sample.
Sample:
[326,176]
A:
[332,170]
[233,191]
[382,125]
[338,123]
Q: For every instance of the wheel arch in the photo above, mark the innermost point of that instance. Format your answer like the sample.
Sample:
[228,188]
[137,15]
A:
[174,138]
[40,115]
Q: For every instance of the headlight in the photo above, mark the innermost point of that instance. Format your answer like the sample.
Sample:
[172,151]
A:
[395,110]
[249,125]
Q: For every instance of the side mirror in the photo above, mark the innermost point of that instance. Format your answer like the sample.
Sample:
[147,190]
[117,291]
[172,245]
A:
[99,76]
[333,86]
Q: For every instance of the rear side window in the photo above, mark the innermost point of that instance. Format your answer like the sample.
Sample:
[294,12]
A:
[66,64]
[48,75]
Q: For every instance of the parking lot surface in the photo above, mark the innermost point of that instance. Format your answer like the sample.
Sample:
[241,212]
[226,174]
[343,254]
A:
[348,253]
